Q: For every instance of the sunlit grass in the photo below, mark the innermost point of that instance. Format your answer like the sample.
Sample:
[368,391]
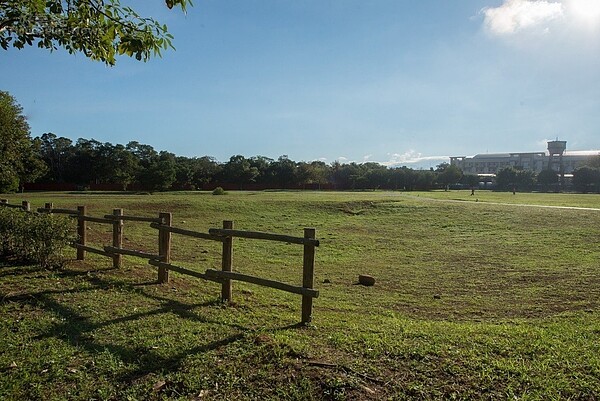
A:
[473,300]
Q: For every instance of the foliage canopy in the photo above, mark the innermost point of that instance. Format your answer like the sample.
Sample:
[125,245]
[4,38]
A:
[18,161]
[100,29]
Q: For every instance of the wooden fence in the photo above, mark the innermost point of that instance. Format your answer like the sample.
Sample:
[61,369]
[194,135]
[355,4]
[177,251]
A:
[162,259]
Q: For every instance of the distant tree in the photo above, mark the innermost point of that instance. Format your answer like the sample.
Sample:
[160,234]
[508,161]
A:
[184,173]
[411,178]
[160,173]
[510,178]
[472,180]
[18,153]
[373,176]
[506,178]
[100,29]
[238,170]
[320,173]
[345,176]
[56,152]
[526,180]
[448,174]
[547,178]
[586,179]
[425,179]
[123,166]
[84,165]
[283,172]
[206,168]
[594,161]
[263,167]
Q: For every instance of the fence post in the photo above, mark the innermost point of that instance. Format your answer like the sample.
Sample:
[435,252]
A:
[164,247]
[227,262]
[81,231]
[49,206]
[308,269]
[26,206]
[117,241]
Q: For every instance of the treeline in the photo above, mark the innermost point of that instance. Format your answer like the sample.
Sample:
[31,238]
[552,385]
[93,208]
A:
[88,163]
[586,179]
[141,167]
[137,165]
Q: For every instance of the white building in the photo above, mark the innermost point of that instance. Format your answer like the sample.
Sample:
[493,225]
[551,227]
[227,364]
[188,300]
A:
[491,163]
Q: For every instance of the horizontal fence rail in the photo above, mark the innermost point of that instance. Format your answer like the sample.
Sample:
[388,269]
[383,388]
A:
[131,252]
[185,271]
[188,233]
[57,211]
[134,218]
[162,258]
[263,236]
[263,282]
[91,250]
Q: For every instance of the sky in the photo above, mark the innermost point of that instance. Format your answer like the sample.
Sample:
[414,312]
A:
[390,81]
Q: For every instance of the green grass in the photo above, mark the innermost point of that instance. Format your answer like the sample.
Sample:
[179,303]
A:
[484,300]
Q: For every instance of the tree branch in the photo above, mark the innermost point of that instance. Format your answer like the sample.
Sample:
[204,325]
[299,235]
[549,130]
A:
[5,24]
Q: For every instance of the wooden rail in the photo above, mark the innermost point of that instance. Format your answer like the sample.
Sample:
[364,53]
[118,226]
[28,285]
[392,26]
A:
[23,206]
[263,282]
[91,250]
[265,236]
[57,211]
[134,218]
[111,250]
[185,271]
[188,233]
[162,259]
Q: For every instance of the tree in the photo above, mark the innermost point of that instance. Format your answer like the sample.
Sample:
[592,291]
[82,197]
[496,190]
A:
[472,180]
[56,153]
[315,172]
[100,29]
[238,170]
[594,161]
[586,178]
[448,174]
[547,178]
[205,170]
[283,172]
[510,178]
[506,178]
[18,160]
[160,174]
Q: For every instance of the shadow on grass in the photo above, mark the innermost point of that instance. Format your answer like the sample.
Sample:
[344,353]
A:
[78,330]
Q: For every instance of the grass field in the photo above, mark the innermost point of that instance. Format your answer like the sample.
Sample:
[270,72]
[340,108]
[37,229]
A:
[477,297]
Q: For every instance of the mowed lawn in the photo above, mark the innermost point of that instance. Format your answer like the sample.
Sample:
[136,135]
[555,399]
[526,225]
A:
[477,297]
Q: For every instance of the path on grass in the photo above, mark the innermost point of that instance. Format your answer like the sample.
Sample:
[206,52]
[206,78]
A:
[506,204]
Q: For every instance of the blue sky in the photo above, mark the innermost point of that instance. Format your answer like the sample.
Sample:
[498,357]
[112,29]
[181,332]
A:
[397,82]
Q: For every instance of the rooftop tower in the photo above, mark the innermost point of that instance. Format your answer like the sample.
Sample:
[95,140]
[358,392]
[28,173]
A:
[557,148]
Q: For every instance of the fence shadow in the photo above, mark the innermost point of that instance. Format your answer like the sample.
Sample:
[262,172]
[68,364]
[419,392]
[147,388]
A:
[78,330]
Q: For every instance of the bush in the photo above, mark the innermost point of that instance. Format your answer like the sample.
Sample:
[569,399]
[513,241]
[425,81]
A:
[10,226]
[35,238]
[218,191]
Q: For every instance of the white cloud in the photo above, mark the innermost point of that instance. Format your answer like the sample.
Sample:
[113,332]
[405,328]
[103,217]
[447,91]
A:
[411,157]
[518,15]
[585,13]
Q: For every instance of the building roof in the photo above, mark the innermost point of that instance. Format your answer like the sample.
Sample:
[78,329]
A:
[491,155]
[582,153]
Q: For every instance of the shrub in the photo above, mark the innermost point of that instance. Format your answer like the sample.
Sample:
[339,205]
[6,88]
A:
[35,238]
[218,191]
[10,226]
